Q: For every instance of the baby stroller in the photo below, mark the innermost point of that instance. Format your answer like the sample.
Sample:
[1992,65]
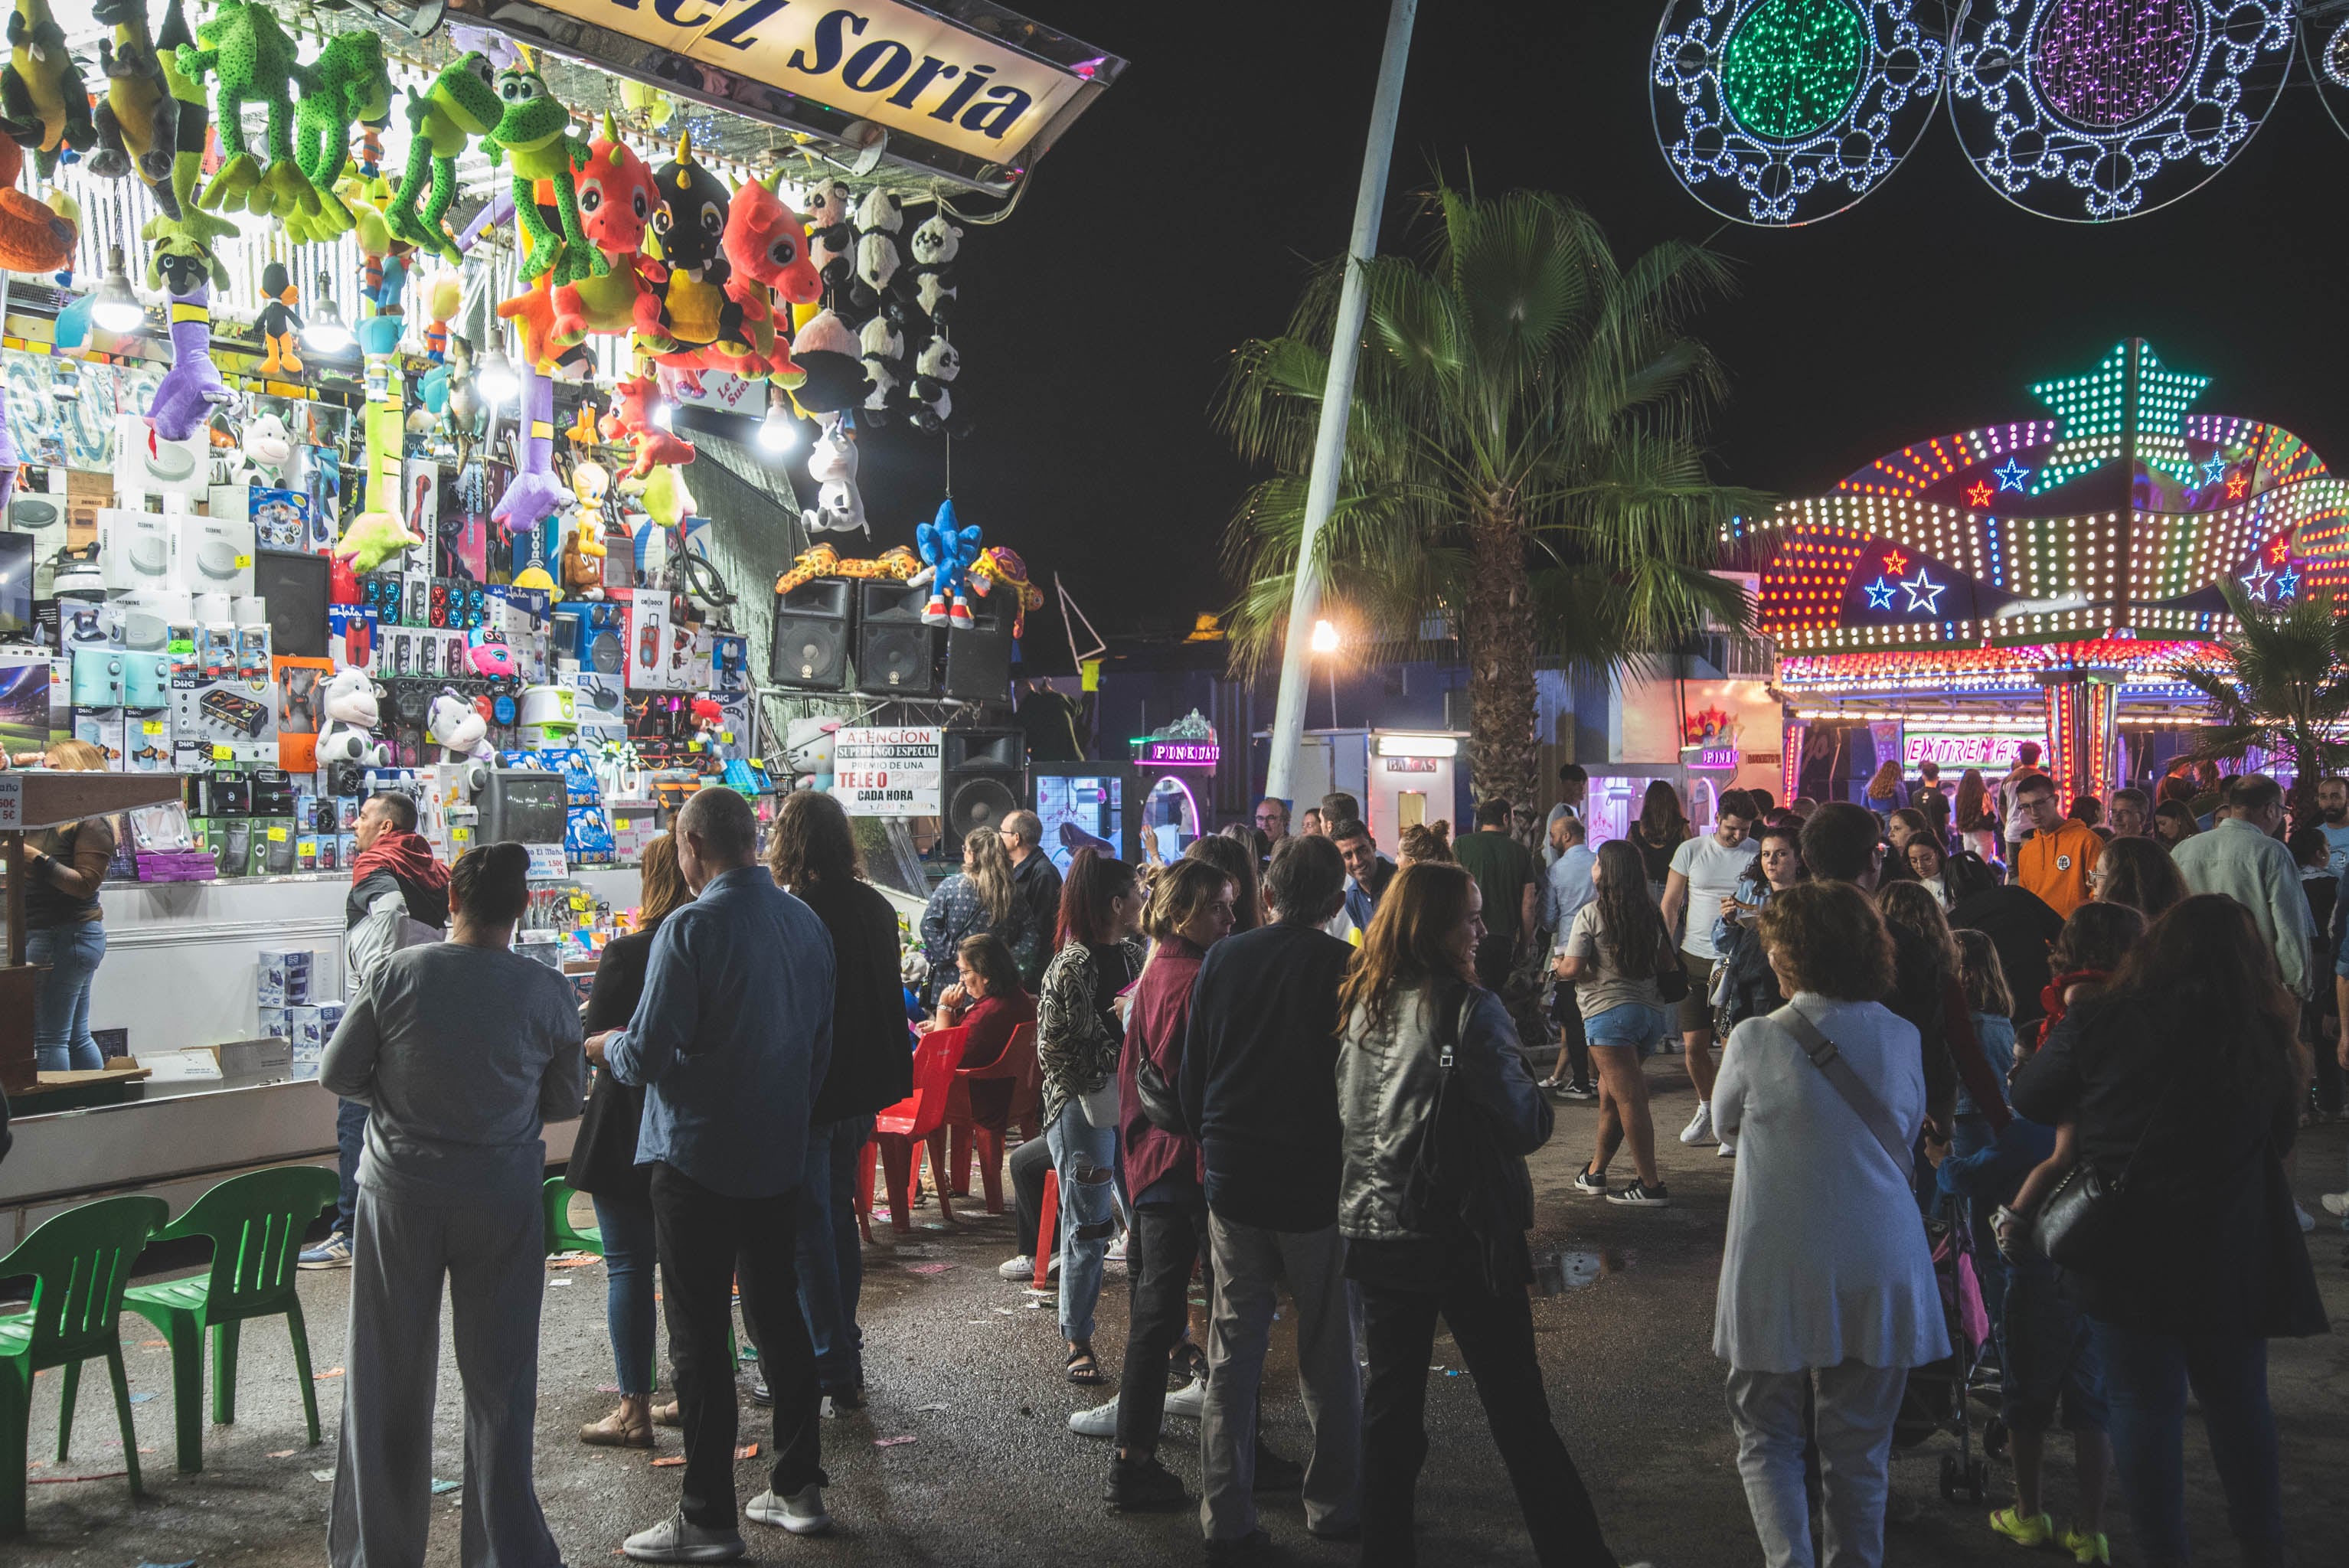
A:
[1935,1398]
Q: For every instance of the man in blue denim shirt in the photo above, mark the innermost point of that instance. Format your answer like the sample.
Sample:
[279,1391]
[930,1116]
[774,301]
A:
[730,1041]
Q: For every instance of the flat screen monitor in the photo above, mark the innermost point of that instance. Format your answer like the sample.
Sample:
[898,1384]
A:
[1084,806]
[15,585]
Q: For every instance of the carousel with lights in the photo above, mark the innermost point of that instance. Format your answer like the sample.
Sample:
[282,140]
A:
[2042,579]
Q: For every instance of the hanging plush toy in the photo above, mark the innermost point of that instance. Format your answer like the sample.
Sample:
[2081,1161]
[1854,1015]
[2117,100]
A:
[534,135]
[534,494]
[934,248]
[346,85]
[138,119]
[662,495]
[833,361]
[839,507]
[689,307]
[192,132]
[185,399]
[878,221]
[1000,566]
[768,270]
[251,60]
[278,322]
[462,103]
[884,368]
[618,199]
[348,716]
[457,727]
[42,87]
[831,239]
[631,420]
[444,294]
[34,237]
[583,568]
[938,364]
[947,552]
[591,483]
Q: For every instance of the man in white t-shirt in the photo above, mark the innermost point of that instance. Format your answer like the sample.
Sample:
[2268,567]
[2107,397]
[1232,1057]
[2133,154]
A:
[2017,823]
[1704,873]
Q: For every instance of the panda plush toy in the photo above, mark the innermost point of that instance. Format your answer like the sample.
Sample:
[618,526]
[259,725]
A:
[938,364]
[933,248]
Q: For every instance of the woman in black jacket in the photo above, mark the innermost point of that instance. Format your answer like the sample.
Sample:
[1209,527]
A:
[2182,1077]
[812,854]
[603,1162]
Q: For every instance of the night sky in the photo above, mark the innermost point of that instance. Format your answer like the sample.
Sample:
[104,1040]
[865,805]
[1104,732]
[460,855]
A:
[1179,215]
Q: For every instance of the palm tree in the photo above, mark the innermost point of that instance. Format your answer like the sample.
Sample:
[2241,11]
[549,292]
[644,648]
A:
[2280,682]
[1522,468]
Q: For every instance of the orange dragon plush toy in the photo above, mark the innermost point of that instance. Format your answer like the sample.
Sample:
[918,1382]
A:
[34,237]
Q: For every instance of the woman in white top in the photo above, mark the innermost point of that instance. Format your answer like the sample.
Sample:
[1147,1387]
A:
[1826,1281]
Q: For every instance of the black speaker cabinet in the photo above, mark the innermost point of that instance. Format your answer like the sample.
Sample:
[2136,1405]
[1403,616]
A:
[897,654]
[984,779]
[978,660]
[293,583]
[811,647]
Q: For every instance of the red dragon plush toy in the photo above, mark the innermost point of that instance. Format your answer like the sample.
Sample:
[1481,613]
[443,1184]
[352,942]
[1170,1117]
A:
[617,200]
[631,420]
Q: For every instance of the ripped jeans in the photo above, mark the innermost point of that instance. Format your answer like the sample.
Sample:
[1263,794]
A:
[1085,1156]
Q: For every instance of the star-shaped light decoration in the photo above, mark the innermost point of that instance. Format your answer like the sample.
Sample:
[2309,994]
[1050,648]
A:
[1895,563]
[1879,595]
[2215,469]
[1978,494]
[2011,474]
[2090,410]
[1924,593]
[2255,583]
[2288,585]
[2279,550]
[2236,485]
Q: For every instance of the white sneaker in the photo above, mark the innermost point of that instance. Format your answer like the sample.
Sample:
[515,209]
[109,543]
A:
[1728,1149]
[1116,1254]
[2307,1220]
[1021,1267]
[802,1514]
[1101,1422]
[1699,1127]
[2336,1203]
[675,1540]
[1189,1401]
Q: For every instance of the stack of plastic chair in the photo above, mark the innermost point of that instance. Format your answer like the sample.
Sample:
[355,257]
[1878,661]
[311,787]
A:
[254,1223]
[561,1235]
[79,1263]
[900,1132]
[1017,1064]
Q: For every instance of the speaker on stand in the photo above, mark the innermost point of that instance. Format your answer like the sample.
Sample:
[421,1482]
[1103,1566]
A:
[897,654]
[811,634]
[983,780]
[979,659]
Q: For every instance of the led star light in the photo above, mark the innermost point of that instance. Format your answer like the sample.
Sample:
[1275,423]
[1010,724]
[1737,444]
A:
[2214,470]
[1978,494]
[1879,595]
[2091,410]
[2255,583]
[1895,563]
[1776,112]
[2012,474]
[2288,585]
[2097,110]
[1924,593]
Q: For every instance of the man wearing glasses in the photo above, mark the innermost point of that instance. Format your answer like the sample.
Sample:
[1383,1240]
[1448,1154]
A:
[1272,820]
[2055,861]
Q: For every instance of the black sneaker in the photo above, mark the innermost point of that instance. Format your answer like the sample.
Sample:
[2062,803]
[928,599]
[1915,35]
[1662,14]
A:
[1640,1195]
[1274,1473]
[1579,1091]
[1590,1182]
[1144,1485]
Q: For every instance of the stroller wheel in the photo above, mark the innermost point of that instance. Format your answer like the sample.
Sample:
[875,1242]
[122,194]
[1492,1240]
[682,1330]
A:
[1949,1478]
[1995,1438]
[1977,1482]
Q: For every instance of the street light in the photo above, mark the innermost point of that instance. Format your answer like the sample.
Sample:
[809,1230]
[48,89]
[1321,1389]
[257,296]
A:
[1325,641]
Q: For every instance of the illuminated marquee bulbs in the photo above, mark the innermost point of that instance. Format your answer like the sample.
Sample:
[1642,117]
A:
[1793,65]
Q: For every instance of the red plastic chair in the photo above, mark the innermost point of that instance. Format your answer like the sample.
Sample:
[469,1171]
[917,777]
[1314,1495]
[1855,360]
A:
[1017,1064]
[900,1132]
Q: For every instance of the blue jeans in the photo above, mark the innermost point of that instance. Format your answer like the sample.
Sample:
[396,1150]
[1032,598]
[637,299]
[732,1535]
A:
[2146,1378]
[831,1266]
[1084,1155]
[631,1266]
[61,1039]
[351,1138]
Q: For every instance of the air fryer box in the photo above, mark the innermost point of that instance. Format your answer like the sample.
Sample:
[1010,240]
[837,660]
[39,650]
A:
[102,728]
[213,554]
[280,518]
[134,551]
[147,743]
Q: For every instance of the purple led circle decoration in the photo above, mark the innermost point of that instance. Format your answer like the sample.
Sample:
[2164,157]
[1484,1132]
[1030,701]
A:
[2105,62]
[2093,110]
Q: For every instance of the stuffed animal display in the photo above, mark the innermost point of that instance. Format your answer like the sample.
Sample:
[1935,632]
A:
[999,566]
[278,321]
[348,716]
[40,88]
[889,292]
[251,60]
[631,420]
[583,571]
[839,507]
[948,553]
[534,134]
[34,237]
[462,103]
[192,388]
[895,564]
[535,494]
[138,119]
[457,729]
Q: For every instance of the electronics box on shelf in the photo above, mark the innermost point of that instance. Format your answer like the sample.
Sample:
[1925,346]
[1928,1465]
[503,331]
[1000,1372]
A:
[280,518]
[213,554]
[222,719]
[134,551]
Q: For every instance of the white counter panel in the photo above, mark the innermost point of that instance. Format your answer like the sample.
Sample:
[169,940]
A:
[181,956]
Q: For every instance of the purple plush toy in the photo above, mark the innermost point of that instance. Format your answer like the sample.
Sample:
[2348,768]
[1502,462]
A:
[192,387]
[535,494]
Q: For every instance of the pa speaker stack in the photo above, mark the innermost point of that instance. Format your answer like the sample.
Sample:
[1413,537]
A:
[896,655]
[984,781]
[811,648]
[823,627]
[979,659]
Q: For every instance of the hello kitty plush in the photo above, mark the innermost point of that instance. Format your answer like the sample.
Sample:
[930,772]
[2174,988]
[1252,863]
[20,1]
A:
[348,717]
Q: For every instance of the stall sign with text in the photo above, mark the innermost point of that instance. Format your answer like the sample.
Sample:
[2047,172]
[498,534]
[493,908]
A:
[1966,748]
[888,772]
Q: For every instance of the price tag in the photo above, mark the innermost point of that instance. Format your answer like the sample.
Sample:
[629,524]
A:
[244,564]
[547,860]
[277,835]
[12,801]
[152,726]
[222,754]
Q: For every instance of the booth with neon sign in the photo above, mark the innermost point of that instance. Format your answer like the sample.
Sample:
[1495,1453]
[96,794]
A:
[2042,578]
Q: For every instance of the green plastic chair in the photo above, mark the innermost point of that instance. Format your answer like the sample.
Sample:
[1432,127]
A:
[254,1223]
[561,1235]
[79,1262]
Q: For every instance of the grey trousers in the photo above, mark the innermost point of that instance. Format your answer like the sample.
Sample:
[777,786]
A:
[1249,1262]
[1855,1405]
[493,1252]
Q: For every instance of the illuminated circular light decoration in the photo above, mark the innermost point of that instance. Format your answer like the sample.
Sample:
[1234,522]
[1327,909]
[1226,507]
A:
[1777,112]
[2326,41]
[2097,110]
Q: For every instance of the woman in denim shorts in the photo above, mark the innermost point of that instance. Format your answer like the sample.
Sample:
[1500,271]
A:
[1611,953]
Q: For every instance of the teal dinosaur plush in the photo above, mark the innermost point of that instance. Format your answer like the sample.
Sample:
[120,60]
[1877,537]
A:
[251,60]
[463,103]
[534,133]
[347,85]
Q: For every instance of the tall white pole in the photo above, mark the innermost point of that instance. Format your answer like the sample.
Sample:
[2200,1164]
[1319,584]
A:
[1337,404]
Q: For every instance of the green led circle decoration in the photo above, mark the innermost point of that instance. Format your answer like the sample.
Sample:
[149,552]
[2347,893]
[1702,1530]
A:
[1793,65]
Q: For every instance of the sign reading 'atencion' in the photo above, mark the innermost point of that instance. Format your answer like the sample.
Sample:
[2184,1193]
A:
[887,772]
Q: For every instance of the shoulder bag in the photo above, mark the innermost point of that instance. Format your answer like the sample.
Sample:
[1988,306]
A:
[2081,1222]
[1459,1178]
[1672,977]
[1872,1111]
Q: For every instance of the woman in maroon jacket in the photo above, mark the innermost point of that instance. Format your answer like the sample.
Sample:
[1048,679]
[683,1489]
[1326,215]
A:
[1190,911]
[987,999]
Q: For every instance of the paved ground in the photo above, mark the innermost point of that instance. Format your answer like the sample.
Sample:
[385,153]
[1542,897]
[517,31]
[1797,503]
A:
[960,1363]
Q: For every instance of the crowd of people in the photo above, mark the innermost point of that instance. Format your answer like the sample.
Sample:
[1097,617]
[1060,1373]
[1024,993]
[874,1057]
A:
[1292,1065]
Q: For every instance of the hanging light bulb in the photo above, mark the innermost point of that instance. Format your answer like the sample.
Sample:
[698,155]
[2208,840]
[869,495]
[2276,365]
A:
[1325,637]
[116,307]
[777,432]
[326,332]
[665,415]
[497,380]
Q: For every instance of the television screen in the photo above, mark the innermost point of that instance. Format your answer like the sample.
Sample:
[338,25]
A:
[1078,810]
[15,585]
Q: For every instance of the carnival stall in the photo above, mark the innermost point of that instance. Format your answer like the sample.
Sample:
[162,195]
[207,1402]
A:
[2040,579]
[468,399]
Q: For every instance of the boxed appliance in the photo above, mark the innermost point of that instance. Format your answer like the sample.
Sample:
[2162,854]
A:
[104,728]
[213,554]
[649,641]
[221,718]
[280,518]
[134,549]
[285,976]
[146,742]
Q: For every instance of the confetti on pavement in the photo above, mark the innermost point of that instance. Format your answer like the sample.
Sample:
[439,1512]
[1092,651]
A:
[892,1442]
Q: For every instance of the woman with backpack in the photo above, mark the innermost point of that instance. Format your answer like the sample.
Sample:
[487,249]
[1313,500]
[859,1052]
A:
[2179,1081]
[1434,1203]
[1620,956]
